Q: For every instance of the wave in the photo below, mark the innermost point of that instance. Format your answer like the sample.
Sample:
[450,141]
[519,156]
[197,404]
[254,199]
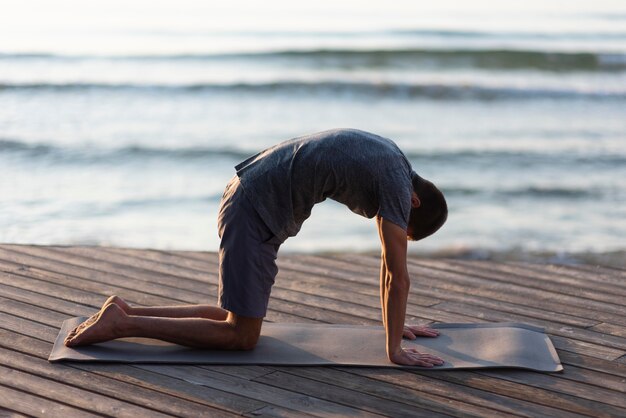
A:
[533,192]
[615,259]
[519,157]
[133,154]
[406,32]
[334,88]
[84,153]
[506,59]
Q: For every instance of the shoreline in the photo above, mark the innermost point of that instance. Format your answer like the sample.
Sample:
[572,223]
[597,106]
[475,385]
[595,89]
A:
[615,259]
[611,259]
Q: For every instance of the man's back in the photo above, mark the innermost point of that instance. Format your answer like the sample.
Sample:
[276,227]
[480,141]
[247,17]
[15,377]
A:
[366,172]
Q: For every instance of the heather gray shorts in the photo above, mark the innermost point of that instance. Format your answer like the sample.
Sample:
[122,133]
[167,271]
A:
[247,255]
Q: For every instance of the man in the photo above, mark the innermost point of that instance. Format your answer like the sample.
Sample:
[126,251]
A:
[267,201]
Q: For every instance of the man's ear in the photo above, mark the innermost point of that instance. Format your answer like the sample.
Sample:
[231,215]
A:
[415,200]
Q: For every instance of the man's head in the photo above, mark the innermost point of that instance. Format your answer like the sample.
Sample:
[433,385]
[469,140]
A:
[429,210]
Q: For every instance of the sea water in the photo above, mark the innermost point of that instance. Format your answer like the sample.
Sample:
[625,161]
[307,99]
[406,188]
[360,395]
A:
[120,124]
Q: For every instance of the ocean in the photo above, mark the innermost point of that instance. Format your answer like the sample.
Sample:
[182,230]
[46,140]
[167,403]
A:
[120,125]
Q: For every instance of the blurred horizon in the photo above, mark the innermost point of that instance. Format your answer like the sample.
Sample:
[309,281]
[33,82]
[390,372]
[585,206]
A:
[120,123]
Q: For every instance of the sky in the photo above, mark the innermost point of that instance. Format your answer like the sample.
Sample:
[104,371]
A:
[30,15]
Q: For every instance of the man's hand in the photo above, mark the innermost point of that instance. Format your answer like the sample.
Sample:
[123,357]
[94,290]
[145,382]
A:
[412,357]
[411,332]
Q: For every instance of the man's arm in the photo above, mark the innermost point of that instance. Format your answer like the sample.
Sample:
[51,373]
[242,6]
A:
[394,290]
[383,275]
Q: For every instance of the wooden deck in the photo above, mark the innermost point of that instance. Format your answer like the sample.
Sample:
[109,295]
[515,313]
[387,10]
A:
[583,309]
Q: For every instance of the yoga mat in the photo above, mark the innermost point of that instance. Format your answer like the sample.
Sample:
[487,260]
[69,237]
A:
[462,346]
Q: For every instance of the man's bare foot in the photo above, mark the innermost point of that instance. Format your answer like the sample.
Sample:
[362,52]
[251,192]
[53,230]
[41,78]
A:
[119,302]
[103,328]
[113,299]
[82,326]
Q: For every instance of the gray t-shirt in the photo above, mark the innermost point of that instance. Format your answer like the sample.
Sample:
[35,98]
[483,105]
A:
[366,172]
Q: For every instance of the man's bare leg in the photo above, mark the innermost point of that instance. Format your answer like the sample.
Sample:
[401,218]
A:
[181,311]
[235,333]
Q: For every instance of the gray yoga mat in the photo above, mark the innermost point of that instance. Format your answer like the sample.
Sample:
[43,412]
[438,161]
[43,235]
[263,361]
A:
[462,346]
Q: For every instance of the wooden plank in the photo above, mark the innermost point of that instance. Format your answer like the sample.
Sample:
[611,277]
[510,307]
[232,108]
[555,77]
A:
[419,397]
[533,278]
[518,294]
[25,327]
[307,283]
[92,286]
[465,297]
[36,406]
[138,263]
[312,288]
[96,301]
[30,312]
[363,294]
[71,395]
[606,274]
[191,296]
[69,289]
[227,398]
[338,308]
[324,286]
[479,279]
[593,363]
[115,390]
[376,317]
[582,334]
[448,397]
[296,284]
[428,277]
[423,405]
[582,347]
[603,380]
[610,329]
[275,395]
[44,301]
[228,384]
[562,340]
[493,382]
[11,414]
[504,306]
[77,267]
[166,385]
[341,307]
[497,387]
[580,390]
[46,288]
[570,332]
[589,274]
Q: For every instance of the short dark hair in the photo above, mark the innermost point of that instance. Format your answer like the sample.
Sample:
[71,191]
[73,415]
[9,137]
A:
[432,212]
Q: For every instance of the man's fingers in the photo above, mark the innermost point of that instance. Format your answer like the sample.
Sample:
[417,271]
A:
[420,361]
[421,331]
[409,334]
[427,332]
[423,364]
[426,358]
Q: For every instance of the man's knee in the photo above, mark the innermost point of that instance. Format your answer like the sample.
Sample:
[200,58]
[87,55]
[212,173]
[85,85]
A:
[245,341]
[246,332]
